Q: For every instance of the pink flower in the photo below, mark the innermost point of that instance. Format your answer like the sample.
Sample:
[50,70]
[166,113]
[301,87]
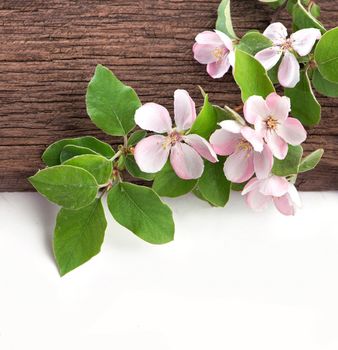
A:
[246,150]
[215,49]
[271,121]
[300,42]
[259,193]
[185,151]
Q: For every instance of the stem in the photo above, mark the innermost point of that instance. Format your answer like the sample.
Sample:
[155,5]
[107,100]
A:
[116,155]
[125,141]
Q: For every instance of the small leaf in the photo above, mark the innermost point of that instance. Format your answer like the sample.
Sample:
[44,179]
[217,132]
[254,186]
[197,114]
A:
[323,86]
[70,151]
[101,168]
[238,187]
[224,23]
[315,10]
[206,121]
[213,185]
[65,185]
[111,105]
[199,195]
[251,76]
[227,113]
[78,235]
[141,210]
[134,170]
[311,161]
[289,165]
[304,105]
[326,55]
[136,137]
[304,19]
[168,184]
[273,3]
[51,156]
[253,42]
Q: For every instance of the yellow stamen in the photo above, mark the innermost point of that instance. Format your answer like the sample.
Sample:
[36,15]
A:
[271,123]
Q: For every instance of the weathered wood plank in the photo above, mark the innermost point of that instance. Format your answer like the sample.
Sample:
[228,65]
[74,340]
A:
[49,49]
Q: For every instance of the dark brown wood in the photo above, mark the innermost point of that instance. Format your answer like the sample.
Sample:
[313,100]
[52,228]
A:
[49,50]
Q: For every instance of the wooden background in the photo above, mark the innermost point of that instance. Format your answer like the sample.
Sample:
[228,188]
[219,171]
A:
[49,50]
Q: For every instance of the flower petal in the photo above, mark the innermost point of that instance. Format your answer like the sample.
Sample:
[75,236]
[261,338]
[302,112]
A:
[263,163]
[217,69]
[253,137]
[288,72]
[276,32]
[224,142]
[294,195]
[277,145]
[255,108]
[225,40]
[150,154]
[303,40]
[274,185]
[279,106]
[186,162]
[209,37]
[257,201]
[292,131]
[201,146]
[269,57]
[184,109]
[153,117]
[284,205]
[238,167]
[204,53]
[231,126]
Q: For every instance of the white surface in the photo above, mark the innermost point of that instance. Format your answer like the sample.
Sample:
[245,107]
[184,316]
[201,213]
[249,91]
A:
[232,279]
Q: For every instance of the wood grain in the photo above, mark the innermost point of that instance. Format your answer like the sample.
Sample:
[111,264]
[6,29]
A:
[49,50]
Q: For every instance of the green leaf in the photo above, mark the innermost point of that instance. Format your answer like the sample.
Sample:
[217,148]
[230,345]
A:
[51,156]
[274,3]
[289,165]
[141,210]
[70,151]
[254,42]
[136,137]
[326,55]
[238,187]
[78,235]
[199,195]
[224,23]
[68,186]
[315,10]
[251,76]
[304,105]
[168,184]
[323,86]
[227,113]
[213,185]
[206,121]
[101,168]
[304,19]
[111,105]
[311,161]
[134,170]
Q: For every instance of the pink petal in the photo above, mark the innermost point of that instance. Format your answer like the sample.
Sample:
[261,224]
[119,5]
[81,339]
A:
[217,69]
[288,72]
[292,131]
[303,40]
[263,163]
[276,32]
[224,142]
[202,147]
[153,117]
[277,145]
[184,109]
[255,108]
[186,162]
[238,167]
[269,57]
[227,42]
[209,38]
[274,186]
[279,107]
[204,54]
[284,205]
[253,137]
[231,126]
[252,185]
[150,153]
[294,195]
[257,201]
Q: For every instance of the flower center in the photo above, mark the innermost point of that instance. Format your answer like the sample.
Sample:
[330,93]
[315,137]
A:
[172,138]
[287,45]
[271,123]
[219,53]
[244,145]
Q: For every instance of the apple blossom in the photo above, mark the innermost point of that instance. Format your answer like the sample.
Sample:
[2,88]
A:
[215,49]
[185,150]
[271,120]
[259,193]
[300,42]
[246,151]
